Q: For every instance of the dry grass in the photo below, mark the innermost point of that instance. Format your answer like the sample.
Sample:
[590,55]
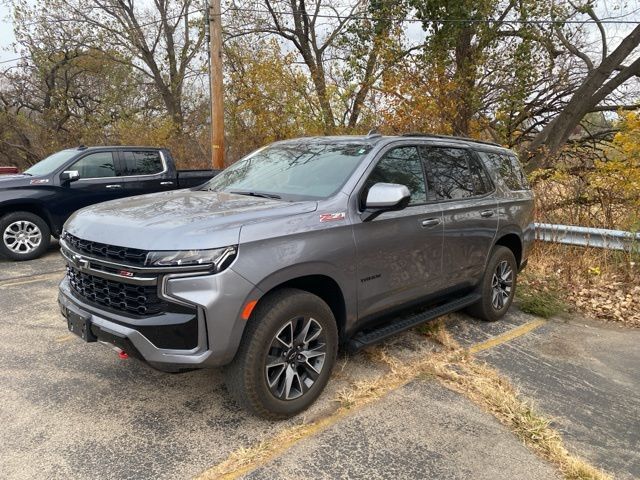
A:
[456,369]
[244,460]
[486,387]
[601,283]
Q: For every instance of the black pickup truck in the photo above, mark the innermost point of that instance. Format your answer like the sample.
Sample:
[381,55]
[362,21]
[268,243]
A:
[35,204]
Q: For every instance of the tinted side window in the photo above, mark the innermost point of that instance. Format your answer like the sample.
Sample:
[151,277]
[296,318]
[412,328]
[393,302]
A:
[142,163]
[508,167]
[481,182]
[401,165]
[95,165]
[451,177]
[518,173]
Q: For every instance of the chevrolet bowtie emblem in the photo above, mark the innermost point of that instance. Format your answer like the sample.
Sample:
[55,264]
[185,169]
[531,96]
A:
[80,262]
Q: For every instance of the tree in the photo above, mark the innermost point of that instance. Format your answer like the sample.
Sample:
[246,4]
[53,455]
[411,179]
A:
[458,39]
[59,93]
[160,39]
[267,96]
[341,45]
[600,82]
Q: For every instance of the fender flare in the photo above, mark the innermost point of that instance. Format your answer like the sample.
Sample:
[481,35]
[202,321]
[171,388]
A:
[34,206]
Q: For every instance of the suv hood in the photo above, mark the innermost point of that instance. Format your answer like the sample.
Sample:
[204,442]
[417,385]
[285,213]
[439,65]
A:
[16,180]
[179,220]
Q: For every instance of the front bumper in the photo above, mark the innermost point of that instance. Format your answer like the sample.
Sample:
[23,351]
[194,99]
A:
[216,301]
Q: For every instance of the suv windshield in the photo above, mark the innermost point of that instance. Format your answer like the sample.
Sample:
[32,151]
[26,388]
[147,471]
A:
[51,163]
[292,171]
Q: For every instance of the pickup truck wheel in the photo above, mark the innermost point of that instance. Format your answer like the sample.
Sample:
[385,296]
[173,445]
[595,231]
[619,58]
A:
[286,356]
[25,236]
[498,286]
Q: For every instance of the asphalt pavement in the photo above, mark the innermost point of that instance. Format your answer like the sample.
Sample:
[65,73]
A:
[75,410]
[583,374]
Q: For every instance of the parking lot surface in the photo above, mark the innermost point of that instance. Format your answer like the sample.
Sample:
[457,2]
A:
[584,375]
[421,430]
[75,410]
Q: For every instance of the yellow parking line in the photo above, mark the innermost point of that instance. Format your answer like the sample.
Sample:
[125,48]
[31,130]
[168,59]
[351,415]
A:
[219,472]
[34,279]
[65,338]
[508,336]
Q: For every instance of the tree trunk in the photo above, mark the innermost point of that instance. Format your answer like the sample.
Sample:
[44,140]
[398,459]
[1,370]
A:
[595,88]
[465,82]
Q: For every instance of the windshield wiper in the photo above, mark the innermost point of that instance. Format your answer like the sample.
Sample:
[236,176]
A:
[259,194]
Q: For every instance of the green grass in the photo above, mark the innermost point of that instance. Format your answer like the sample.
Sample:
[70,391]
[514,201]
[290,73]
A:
[430,328]
[541,303]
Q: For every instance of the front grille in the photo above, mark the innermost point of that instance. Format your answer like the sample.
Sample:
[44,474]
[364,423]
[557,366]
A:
[132,256]
[123,297]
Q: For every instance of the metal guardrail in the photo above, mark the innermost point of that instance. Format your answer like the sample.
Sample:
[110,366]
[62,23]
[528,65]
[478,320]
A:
[588,237]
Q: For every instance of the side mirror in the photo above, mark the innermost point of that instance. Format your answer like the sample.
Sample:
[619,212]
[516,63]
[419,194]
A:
[384,197]
[69,176]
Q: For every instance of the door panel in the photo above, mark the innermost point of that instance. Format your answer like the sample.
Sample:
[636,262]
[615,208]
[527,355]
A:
[98,183]
[399,253]
[144,171]
[470,212]
[399,259]
[468,237]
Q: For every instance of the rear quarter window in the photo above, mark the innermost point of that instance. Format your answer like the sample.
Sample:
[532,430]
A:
[508,167]
[142,163]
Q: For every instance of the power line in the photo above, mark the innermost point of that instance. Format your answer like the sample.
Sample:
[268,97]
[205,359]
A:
[174,17]
[604,21]
[153,22]
[14,59]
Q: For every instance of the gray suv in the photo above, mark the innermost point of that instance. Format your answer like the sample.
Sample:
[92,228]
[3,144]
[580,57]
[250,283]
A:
[298,249]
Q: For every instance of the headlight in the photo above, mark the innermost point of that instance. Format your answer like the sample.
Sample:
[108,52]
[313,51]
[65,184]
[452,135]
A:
[218,258]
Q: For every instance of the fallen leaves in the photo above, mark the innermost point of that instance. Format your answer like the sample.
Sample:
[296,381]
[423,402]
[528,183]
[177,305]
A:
[599,283]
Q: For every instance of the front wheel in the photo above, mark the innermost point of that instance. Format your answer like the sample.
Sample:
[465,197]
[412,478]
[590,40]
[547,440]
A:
[286,356]
[497,287]
[25,236]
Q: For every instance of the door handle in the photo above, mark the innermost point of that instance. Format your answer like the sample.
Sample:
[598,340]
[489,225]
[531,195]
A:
[166,183]
[487,213]
[430,222]
[114,185]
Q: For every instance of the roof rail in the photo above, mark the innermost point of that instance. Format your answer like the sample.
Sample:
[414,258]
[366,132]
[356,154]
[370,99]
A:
[373,133]
[449,137]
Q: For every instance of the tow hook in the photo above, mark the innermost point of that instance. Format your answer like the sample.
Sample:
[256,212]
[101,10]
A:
[121,353]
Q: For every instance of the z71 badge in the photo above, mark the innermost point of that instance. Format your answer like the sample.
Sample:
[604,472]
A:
[332,217]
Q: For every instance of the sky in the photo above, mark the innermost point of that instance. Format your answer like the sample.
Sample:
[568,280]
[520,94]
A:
[6,33]
[603,8]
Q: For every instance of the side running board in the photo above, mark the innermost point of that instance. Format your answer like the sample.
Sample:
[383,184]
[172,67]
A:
[397,325]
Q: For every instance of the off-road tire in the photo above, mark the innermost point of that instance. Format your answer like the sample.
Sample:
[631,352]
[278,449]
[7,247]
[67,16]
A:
[245,376]
[32,219]
[485,308]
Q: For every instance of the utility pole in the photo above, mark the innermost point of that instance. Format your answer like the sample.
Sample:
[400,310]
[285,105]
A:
[216,87]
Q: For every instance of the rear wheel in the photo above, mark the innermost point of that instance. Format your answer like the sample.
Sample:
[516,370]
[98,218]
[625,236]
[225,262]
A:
[25,236]
[286,356]
[497,287]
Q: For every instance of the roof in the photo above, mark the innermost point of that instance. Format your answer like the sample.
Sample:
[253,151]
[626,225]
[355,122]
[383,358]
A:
[375,138]
[114,147]
[451,137]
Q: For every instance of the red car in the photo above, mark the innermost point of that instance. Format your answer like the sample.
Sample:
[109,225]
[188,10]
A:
[8,170]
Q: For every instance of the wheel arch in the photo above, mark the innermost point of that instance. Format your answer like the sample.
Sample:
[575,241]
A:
[31,207]
[512,239]
[318,283]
